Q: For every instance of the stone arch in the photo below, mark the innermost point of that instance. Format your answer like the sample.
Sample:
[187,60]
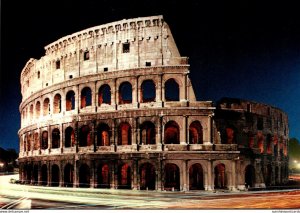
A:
[68,175]
[103,176]
[84,176]
[103,135]
[125,93]
[46,107]
[147,133]
[171,90]
[86,97]
[195,133]
[44,140]
[37,109]
[104,95]
[124,176]
[70,100]
[147,177]
[44,175]
[55,175]
[229,135]
[148,91]
[29,141]
[249,176]
[57,104]
[36,141]
[85,136]
[55,138]
[172,177]
[69,137]
[172,133]
[196,177]
[220,179]
[124,134]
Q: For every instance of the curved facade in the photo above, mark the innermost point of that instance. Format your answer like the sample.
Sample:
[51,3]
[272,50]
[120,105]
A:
[113,107]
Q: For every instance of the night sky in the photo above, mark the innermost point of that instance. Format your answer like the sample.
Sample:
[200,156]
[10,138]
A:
[241,49]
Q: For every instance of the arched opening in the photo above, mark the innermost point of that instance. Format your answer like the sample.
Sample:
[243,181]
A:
[124,177]
[69,137]
[46,107]
[55,175]
[277,181]
[28,173]
[35,174]
[36,141]
[103,176]
[103,135]
[84,176]
[70,101]
[171,133]
[147,133]
[269,144]
[57,104]
[55,138]
[68,175]
[125,93]
[29,142]
[172,177]
[44,175]
[104,95]
[220,177]
[269,175]
[86,97]
[31,111]
[196,177]
[171,90]
[148,91]
[45,140]
[260,143]
[249,176]
[85,136]
[147,177]
[229,135]
[195,133]
[25,143]
[124,134]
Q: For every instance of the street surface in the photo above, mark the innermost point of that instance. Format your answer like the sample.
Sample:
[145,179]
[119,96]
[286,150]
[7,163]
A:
[15,196]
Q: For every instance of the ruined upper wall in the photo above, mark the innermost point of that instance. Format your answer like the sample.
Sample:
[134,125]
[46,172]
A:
[125,44]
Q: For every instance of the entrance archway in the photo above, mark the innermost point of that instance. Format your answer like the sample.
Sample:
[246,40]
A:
[196,177]
[147,177]
[172,177]
[84,176]
[220,176]
[68,175]
[249,176]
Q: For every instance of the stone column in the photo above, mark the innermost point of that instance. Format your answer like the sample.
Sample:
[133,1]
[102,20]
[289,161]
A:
[61,176]
[233,176]
[39,173]
[158,174]
[112,180]
[159,91]
[49,177]
[209,131]
[273,175]
[49,138]
[158,134]
[76,174]
[183,139]
[183,176]
[92,176]
[135,185]
[210,176]
[61,137]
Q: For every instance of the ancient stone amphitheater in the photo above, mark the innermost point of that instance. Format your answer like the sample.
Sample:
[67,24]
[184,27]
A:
[113,107]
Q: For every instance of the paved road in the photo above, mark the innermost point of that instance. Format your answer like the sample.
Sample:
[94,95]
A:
[14,196]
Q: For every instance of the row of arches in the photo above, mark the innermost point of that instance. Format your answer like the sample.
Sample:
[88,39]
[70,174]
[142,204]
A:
[103,134]
[148,176]
[147,94]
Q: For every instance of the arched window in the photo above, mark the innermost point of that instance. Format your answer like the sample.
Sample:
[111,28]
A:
[46,107]
[31,111]
[195,133]
[55,175]
[220,177]
[171,90]
[172,177]
[85,136]
[125,93]
[57,104]
[124,177]
[36,141]
[147,177]
[147,133]
[104,95]
[84,176]
[103,136]
[86,97]
[196,177]
[171,133]
[103,176]
[148,91]
[69,137]
[45,140]
[29,141]
[68,175]
[70,101]
[37,109]
[55,138]
[124,134]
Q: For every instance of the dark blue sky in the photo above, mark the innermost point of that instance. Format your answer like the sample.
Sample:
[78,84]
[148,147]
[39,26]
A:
[243,49]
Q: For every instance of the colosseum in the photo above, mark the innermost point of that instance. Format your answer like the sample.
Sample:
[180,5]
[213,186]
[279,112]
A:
[113,106]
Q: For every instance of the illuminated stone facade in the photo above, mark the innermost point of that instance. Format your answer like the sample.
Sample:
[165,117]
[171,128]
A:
[113,107]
